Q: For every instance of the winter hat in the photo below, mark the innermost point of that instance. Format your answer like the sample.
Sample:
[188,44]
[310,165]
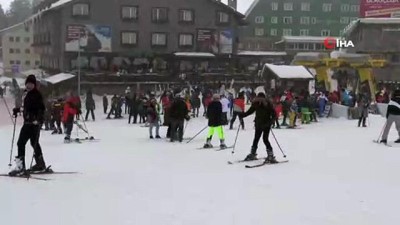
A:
[31,79]
[261,95]
[216,97]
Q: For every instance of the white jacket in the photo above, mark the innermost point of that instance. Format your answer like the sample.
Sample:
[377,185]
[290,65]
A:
[225,104]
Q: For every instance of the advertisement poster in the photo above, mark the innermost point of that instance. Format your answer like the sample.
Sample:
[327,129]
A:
[207,41]
[379,8]
[226,42]
[90,38]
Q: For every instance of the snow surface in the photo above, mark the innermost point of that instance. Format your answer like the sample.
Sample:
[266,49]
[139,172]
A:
[336,176]
[194,54]
[289,72]
[59,78]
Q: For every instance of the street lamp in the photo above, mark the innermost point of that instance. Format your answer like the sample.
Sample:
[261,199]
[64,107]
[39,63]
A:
[79,63]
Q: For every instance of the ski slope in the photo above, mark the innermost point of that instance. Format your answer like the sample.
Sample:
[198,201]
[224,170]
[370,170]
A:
[336,176]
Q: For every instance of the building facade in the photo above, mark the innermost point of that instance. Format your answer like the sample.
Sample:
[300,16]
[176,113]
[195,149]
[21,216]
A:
[269,20]
[122,33]
[17,52]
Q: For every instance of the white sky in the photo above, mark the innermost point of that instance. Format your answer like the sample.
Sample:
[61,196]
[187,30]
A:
[243,5]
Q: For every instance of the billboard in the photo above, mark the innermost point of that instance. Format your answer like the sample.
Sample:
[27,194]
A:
[207,40]
[379,8]
[226,42]
[90,38]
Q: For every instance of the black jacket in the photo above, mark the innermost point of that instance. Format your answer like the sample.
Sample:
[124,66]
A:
[178,110]
[265,113]
[214,114]
[393,107]
[34,107]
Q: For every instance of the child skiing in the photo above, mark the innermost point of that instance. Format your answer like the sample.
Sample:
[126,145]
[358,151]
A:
[70,111]
[215,122]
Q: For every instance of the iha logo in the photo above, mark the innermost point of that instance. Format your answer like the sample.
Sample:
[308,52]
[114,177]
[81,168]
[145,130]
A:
[332,43]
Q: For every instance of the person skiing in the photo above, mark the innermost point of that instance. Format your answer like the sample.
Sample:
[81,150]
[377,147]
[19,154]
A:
[33,114]
[71,109]
[90,105]
[238,108]
[178,113]
[265,116]
[215,122]
[393,116]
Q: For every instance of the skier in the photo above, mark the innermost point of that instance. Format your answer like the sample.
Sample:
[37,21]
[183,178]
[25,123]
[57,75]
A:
[90,105]
[265,116]
[215,122]
[56,115]
[178,113]
[105,103]
[133,110]
[225,109]
[70,111]
[393,116]
[114,105]
[33,114]
[294,109]
[195,101]
[153,117]
[363,104]
[238,108]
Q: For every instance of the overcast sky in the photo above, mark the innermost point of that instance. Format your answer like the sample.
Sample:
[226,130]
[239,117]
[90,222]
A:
[242,4]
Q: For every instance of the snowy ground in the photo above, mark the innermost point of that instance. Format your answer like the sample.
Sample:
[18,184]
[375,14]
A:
[336,176]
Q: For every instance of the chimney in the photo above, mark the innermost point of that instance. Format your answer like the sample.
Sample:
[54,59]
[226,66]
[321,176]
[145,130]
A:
[233,4]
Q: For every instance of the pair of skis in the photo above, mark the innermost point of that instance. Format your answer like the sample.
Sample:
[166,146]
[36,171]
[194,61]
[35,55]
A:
[256,165]
[217,148]
[29,174]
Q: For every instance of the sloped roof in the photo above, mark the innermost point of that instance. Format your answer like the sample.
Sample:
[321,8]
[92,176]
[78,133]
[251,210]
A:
[251,8]
[59,78]
[11,28]
[288,72]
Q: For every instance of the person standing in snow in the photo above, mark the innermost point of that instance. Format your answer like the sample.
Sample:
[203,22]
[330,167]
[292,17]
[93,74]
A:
[294,109]
[363,105]
[195,101]
[178,113]
[105,103]
[90,105]
[215,121]
[225,109]
[238,108]
[33,114]
[153,117]
[69,113]
[393,116]
[265,116]
[56,113]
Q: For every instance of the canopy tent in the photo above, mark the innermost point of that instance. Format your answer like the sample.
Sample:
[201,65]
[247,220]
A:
[288,72]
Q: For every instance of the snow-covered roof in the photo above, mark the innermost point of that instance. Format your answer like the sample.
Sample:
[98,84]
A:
[51,7]
[37,72]
[59,78]
[289,72]
[15,26]
[194,54]
[251,8]
[303,39]
[380,21]
[261,53]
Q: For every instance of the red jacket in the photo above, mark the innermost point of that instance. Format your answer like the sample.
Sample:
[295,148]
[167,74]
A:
[238,105]
[70,110]
[165,102]
[207,101]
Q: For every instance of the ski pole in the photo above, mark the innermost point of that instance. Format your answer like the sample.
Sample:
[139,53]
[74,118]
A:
[237,135]
[380,135]
[12,141]
[197,134]
[276,140]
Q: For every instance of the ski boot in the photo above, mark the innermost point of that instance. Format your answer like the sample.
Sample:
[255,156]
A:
[67,139]
[208,144]
[151,137]
[158,137]
[54,132]
[60,131]
[19,169]
[40,165]
[251,157]
[271,159]
[383,142]
[397,141]
[223,145]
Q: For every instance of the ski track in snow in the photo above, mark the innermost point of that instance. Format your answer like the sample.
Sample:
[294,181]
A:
[336,176]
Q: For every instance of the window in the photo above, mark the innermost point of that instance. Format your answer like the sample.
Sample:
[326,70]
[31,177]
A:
[37,63]
[313,20]
[288,6]
[17,39]
[185,40]
[259,19]
[287,32]
[355,8]
[223,17]
[325,33]
[274,6]
[259,32]
[344,20]
[27,51]
[11,51]
[18,62]
[130,12]
[80,9]
[129,38]
[305,6]
[159,39]
[304,20]
[274,19]
[12,62]
[326,7]
[345,7]
[17,51]
[27,40]
[287,20]
[11,39]
[273,32]
[186,15]
[159,15]
[304,32]
[27,62]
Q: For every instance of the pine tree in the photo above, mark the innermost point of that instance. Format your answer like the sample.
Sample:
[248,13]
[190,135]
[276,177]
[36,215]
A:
[19,11]
[3,18]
